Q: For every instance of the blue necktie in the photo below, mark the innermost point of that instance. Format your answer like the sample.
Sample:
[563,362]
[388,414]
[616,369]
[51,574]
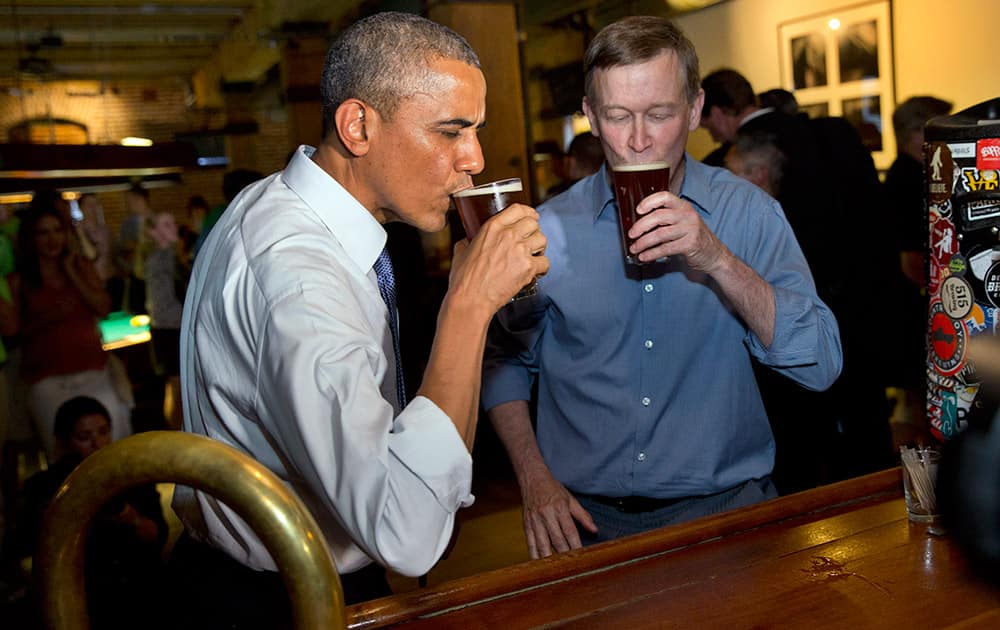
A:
[387,287]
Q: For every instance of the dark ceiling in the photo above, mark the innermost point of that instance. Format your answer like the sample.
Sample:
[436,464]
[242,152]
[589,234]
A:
[116,39]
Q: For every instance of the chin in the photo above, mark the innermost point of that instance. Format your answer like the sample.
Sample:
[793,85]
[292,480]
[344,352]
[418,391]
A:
[435,224]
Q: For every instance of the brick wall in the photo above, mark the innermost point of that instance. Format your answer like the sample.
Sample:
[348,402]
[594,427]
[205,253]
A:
[149,109]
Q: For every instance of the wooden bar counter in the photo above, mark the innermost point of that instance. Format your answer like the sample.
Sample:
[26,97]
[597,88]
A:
[840,556]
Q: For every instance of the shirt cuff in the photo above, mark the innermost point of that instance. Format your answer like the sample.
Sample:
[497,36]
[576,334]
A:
[504,383]
[796,331]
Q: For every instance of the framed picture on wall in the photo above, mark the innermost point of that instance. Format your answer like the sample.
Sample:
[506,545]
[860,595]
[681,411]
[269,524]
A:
[839,63]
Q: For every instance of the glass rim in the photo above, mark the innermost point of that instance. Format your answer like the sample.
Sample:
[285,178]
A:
[648,166]
[511,184]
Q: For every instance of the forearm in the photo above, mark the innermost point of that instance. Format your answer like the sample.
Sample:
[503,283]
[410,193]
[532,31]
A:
[751,296]
[453,375]
[512,423]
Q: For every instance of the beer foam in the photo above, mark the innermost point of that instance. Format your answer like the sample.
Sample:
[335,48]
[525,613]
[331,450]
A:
[650,166]
[504,186]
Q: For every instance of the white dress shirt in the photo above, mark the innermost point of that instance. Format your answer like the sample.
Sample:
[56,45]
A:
[286,355]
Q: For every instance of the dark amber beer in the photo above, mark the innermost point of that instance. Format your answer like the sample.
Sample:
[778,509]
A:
[477,204]
[633,183]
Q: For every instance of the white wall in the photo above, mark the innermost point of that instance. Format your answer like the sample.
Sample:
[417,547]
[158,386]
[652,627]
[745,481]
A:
[943,48]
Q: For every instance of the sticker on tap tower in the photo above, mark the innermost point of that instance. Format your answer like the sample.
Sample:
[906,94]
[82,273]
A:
[946,342]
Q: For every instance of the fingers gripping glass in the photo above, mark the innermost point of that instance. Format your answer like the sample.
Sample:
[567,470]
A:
[477,204]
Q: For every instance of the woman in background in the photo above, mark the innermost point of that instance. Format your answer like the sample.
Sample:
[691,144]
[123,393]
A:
[59,300]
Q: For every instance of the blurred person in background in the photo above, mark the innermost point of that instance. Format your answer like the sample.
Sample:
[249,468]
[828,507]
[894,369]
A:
[780,100]
[123,569]
[59,299]
[165,273]
[232,183]
[584,157]
[129,235]
[190,228]
[903,191]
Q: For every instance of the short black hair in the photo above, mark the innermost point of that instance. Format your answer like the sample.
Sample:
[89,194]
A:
[728,90]
[913,113]
[72,410]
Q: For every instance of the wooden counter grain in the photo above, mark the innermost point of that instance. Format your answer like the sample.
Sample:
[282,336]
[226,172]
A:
[841,556]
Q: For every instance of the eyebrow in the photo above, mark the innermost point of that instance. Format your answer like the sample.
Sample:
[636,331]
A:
[461,123]
[670,105]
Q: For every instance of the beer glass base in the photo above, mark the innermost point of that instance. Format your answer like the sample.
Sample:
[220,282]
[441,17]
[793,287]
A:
[634,260]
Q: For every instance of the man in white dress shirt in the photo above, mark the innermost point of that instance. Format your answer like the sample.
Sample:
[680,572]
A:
[287,349]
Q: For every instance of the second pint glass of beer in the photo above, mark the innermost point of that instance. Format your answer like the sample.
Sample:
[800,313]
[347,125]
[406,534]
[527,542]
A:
[477,204]
[633,183]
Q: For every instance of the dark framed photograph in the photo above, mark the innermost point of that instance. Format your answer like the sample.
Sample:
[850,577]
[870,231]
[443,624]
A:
[839,63]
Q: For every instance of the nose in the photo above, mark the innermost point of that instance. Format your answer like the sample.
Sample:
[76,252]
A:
[470,159]
[639,140]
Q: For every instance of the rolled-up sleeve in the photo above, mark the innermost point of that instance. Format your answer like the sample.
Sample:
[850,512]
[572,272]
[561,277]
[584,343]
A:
[806,345]
[393,484]
[511,355]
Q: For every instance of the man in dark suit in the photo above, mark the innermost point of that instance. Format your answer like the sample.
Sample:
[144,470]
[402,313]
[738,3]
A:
[828,187]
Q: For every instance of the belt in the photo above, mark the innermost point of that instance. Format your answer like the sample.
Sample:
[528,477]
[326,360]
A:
[634,505]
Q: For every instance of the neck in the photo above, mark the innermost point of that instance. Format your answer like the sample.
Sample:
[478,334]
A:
[347,170]
[677,177]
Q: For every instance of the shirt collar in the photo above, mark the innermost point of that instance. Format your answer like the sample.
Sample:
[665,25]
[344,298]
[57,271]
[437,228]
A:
[756,114]
[694,188]
[359,233]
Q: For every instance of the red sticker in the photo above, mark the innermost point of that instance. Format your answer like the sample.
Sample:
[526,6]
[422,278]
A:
[946,342]
[988,154]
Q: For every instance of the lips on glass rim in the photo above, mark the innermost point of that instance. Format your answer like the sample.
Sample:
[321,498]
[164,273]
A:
[512,184]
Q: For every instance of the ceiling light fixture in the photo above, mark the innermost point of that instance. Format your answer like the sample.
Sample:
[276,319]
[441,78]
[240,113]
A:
[132,141]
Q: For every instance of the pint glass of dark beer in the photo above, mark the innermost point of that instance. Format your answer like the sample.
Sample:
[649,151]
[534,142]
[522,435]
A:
[477,204]
[633,183]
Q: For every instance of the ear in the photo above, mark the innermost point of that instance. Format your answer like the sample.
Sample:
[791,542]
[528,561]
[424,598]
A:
[699,102]
[592,117]
[352,121]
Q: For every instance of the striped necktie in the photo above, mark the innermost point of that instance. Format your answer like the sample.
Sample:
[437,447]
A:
[387,287]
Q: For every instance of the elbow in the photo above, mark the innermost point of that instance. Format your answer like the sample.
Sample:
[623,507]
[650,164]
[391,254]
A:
[833,364]
[408,553]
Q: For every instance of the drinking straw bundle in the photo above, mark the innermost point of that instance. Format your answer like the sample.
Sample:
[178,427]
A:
[922,470]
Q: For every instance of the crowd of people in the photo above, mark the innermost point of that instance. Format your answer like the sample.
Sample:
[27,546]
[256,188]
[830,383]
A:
[731,365]
[64,270]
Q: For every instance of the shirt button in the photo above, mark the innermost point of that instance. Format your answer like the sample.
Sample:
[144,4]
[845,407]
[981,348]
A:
[648,344]
[641,457]
[648,288]
[645,401]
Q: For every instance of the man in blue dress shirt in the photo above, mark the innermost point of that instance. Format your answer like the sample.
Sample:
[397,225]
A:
[648,410]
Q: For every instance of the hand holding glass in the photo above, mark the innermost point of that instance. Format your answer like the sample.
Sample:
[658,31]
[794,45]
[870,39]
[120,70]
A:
[632,184]
[477,204]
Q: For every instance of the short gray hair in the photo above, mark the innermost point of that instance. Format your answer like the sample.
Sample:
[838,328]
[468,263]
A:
[383,59]
[760,149]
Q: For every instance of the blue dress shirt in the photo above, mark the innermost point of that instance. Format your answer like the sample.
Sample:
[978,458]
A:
[645,376]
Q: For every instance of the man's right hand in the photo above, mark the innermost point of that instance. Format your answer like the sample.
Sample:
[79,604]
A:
[506,255]
[550,516]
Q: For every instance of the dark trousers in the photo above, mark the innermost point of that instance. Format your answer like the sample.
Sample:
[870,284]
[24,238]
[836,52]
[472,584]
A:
[214,591]
[613,523]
